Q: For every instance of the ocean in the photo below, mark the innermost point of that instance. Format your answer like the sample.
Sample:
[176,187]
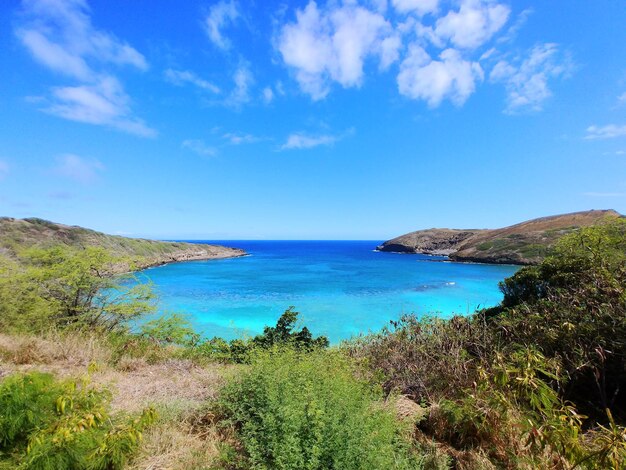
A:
[340,288]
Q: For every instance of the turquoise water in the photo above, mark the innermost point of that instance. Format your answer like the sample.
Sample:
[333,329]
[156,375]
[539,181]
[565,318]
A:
[340,288]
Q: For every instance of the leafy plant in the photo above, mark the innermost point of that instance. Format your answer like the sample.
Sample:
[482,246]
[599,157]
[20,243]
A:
[47,424]
[70,288]
[295,410]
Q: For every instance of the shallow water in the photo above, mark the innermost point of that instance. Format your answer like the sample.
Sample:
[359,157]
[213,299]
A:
[340,288]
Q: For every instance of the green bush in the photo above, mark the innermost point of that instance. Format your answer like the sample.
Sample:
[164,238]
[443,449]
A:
[572,307]
[64,287]
[239,351]
[47,424]
[295,410]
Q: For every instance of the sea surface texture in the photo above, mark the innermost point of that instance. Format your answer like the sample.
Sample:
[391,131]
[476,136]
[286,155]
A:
[340,288]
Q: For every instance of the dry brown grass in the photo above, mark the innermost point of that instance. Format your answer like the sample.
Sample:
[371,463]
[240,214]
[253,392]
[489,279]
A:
[161,384]
[170,446]
[176,388]
[54,349]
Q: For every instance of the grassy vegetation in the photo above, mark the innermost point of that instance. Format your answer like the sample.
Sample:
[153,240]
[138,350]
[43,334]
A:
[18,235]
[538,382]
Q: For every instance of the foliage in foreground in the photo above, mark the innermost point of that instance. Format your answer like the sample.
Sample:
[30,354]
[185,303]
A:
[298,410]
[47,424]
[538,382]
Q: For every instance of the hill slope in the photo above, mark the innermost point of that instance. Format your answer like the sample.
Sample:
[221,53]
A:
[524,243]
[16,234]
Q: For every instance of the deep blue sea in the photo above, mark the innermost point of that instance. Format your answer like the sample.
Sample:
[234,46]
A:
[340,288]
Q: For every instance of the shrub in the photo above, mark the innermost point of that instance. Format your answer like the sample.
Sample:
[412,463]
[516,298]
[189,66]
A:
[47,424]
[240,350]
[295,410]
[66,287]
[573,307]
[427,358]
[170,329]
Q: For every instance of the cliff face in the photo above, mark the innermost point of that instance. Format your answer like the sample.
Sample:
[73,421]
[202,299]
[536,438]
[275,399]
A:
[16,234]
[524,243]
[435,241]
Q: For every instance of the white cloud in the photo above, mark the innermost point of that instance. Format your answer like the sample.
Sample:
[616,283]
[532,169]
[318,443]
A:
[4,169]
[332,44]
[303,140]
[452,77]
[300,140]
[220,15]
[59,35]
[199,147]
[180,77]
[243,79]
[474,24]
[526,80]
[389,51]
[101,103]
[420,7]
[77,168]
[237,139]
[268,95]
[621,99]
[609,131]
[514,29]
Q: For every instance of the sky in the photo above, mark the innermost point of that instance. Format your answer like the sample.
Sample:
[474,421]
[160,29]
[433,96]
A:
[354,119]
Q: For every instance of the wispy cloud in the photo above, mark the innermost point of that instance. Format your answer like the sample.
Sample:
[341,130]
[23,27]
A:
[243,80]
[420,7]
[182,77]
[236,138]
[303,140]
[268,95]
[60,36]
[198,146]
[621,99]
[513,30]
[609,131]
[527,78]
[101,103]
[222,14]
[74,167]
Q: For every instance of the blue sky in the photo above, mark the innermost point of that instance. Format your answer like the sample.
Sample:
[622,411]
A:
[339,119]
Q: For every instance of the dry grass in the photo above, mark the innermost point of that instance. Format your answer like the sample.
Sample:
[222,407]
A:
[135,383]
[55,349]
[176,388]
[162,384]
[170,446]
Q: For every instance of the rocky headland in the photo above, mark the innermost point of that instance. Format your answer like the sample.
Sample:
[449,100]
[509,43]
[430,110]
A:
[524,243]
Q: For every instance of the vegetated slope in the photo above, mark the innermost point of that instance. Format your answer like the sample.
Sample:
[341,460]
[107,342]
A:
[524,243]
[17,234]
